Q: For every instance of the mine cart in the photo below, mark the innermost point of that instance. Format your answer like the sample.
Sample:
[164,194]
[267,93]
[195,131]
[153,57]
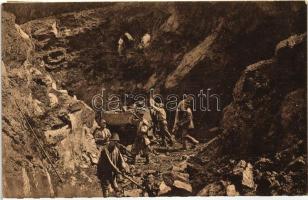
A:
[125,122]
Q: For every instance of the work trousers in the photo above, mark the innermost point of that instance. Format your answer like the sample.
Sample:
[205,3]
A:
[164,132]
[185,137]
[109,178]
[141,146]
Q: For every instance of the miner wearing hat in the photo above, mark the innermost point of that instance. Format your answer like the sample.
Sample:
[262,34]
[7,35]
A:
[102,135]
[142,142]
[110,165]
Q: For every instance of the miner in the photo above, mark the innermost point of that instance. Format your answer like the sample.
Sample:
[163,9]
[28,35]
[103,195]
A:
[102,135]
[183,122]
[162,123]
[145,41]
[154,119]
[110,165]
[124,42]
[142,142]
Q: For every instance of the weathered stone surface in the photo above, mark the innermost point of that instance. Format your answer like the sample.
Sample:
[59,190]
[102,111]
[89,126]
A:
[38,107]
[240,167]
[248,176]
[251,117]
[56,136]
[231,191]
[163,189]
[213,189]
[133,193]
[172,176]
[53,99]
[26,183]
[14,47]
[292,111]
[66,138]
[181,167]
[177,179]
[244,170]
[182,185]
[190,60]
[286,45]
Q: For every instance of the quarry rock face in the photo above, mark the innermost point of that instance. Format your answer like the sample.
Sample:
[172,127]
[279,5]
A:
[219,45]
[53,66]
[13,55]
[45,108]
[259,111]
[268,97]
[190,60]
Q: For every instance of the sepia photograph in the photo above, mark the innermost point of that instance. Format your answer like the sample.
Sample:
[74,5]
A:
[154,99]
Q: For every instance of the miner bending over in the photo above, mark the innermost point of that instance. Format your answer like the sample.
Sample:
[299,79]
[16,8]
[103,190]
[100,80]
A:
[111,164]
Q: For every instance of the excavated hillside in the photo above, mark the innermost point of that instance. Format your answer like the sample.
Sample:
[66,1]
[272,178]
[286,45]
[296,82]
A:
[62,125]
[80,48]
[252,54]
[263,147]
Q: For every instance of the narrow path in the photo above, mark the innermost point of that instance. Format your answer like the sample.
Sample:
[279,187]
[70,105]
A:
[161,164]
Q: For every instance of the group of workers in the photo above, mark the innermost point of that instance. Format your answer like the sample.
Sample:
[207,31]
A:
[111,159]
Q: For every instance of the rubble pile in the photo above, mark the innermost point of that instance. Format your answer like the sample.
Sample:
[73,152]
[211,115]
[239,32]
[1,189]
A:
[167,175]
[262,149]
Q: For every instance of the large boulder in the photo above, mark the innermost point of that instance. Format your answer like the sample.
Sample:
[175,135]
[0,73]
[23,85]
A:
[244,171]
[177,180]
[251,119]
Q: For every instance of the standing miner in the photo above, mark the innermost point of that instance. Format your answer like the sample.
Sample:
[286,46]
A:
[103,134]
[162,121]
[142,142]
[183,122]
[110,165]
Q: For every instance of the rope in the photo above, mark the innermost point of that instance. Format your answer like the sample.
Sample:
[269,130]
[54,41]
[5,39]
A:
[37,139]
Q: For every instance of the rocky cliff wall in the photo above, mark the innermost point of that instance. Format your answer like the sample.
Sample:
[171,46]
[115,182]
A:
[262,149]
[63,125]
